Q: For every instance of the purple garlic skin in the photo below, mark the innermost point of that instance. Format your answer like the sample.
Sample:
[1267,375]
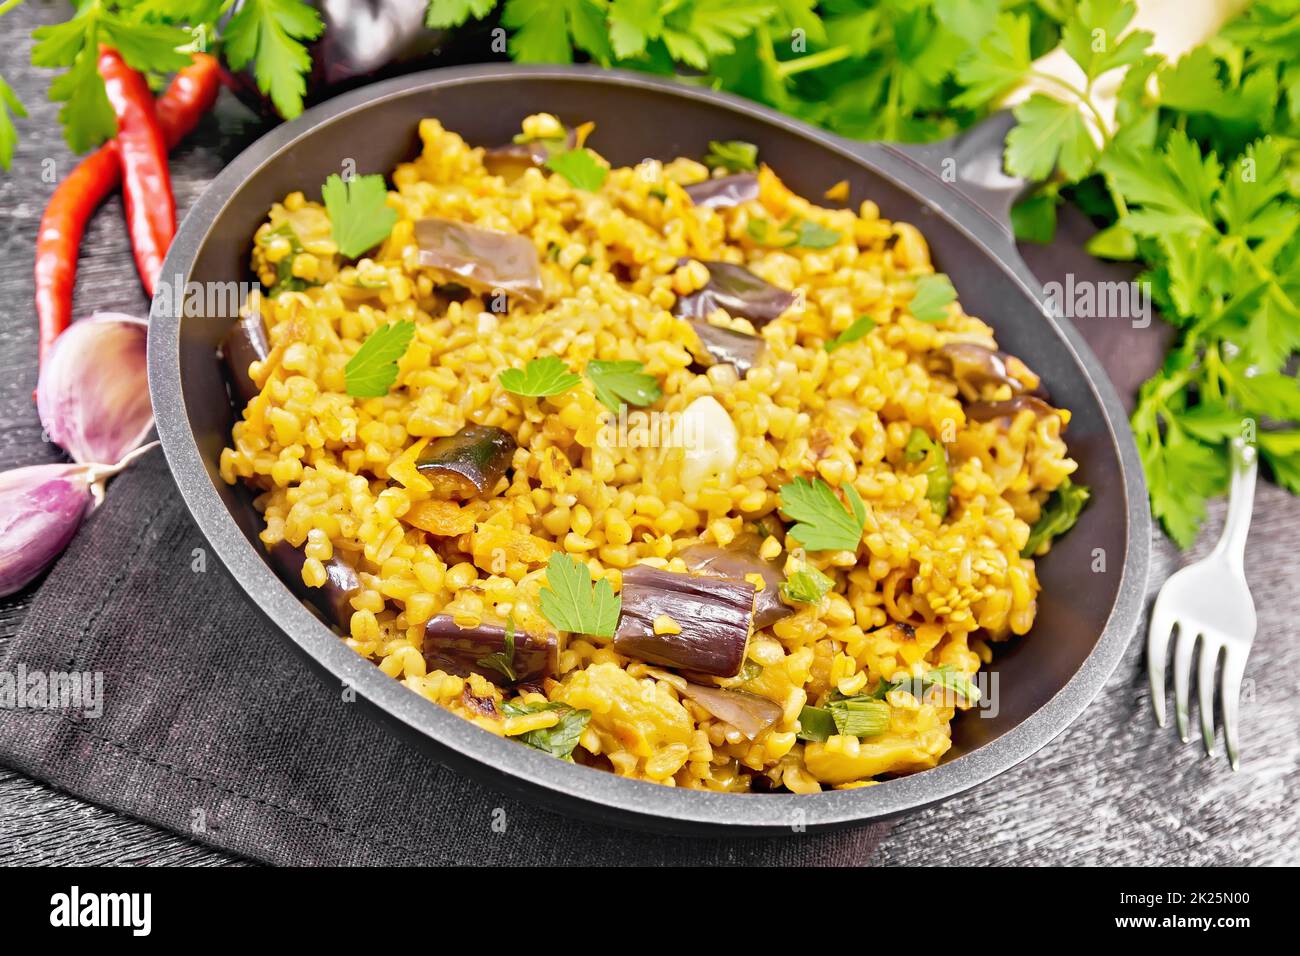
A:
[93,393]
[41,508]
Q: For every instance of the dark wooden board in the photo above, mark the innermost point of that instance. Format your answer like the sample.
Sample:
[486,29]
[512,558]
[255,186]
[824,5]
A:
[1112,790]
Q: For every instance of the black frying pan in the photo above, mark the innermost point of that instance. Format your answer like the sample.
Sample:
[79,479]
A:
[1085,618]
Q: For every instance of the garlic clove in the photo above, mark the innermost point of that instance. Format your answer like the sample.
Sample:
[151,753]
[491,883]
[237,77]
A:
[93,392]
[41,508]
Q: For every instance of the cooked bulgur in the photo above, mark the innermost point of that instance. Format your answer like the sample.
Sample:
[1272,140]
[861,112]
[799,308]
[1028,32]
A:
[876,408]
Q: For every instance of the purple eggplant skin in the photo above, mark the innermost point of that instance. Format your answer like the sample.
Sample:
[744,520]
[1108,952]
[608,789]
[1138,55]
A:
[333,598]
[511,159]
[737,560]
[748,713]
[715,616]
[244,344]
[468,463]
[739,292]
[463,650]
[724,192]
[1009,409]
[482,260]
[740,350]
[362,40]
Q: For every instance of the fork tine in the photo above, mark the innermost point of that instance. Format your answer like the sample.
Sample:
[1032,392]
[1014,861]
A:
[1184,648]
[1210,649]
[1234,666]
[1158,634]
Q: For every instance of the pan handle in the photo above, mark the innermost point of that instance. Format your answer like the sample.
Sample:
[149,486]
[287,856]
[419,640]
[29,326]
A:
[971,162]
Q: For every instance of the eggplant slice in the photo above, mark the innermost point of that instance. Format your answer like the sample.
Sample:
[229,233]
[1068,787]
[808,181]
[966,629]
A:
[482,260]
[246,342]
[469,463]
[714,615]
[740,350]
[736,560]
[724,192]
[739,292]
[331,599]
[484,650]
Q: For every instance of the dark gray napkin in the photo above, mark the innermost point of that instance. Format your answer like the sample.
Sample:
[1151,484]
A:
[211,727]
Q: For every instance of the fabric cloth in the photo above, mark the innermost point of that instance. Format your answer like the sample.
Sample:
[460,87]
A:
[210,726]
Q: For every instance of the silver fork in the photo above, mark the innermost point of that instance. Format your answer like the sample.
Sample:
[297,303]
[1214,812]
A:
[1210,600]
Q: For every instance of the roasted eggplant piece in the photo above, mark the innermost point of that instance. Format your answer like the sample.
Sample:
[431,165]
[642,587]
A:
[512,159]
[713,617]
[503,654]
[482,260]
[333,597]
[469,463]
[740,350]
[244,344]
[724,191]
[737,560]
[1009,409]
[973,367]
[748,713]
[738,291]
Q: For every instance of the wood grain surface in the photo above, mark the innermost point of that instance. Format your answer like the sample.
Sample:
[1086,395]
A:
[1112,790]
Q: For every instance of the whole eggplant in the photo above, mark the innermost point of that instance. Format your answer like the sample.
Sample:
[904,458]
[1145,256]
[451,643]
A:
[362,40]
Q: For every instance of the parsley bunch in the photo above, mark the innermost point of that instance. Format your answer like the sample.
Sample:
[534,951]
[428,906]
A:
[1201,183]
[873,70]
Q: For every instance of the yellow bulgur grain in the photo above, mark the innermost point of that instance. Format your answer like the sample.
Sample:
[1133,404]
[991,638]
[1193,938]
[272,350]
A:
[337,475]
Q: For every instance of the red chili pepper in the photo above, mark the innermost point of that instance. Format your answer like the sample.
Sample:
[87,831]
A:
[146,182]
[191,94]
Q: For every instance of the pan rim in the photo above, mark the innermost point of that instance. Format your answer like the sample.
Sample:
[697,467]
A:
[592,792]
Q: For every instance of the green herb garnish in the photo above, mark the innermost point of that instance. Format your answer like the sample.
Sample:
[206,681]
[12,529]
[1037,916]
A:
[617,383]
[543,376]
[807,586]
[285,280]
[570,602]
[503,661]
[733,155]
[811,235]
[360,216]
[825,523]
[816,724]
[945,676]
[561,737]
[1058,516]
[580,167]
[933,295]
[796,233]
[370,373]
[938,482]
[858,330]
[270,35]
[859,716]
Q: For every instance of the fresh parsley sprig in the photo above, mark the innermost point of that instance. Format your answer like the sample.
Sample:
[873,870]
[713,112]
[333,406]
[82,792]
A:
[860,329]
[824,523]
[372,370]
[541,377]
[617,383]
[933,295]
[580,167]
[570,602]
[360,217]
